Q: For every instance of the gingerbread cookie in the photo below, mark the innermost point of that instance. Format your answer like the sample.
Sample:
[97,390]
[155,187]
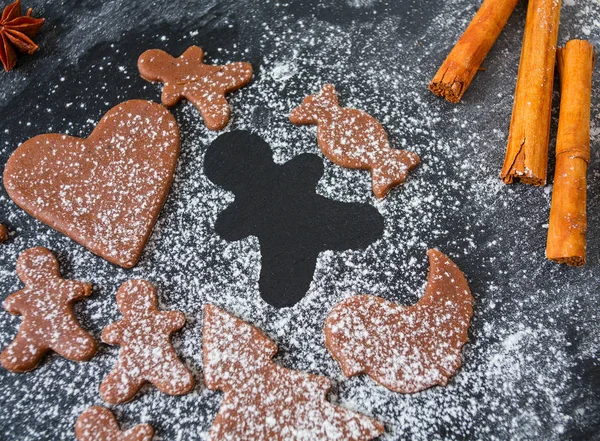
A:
[265,401]
[354,139]
[406,349]
[105,191]
[99,424]
[280,206]
[3,234]
[146,354]
[187,76]
[46,304]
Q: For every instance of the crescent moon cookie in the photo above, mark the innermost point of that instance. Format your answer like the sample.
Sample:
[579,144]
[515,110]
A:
[146,354]
[187,76]
[105,191]
[406,349]
[49,323]
[265,401]
[354,139]
[99,424]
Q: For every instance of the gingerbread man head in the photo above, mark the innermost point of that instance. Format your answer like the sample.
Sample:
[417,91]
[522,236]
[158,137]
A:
[254,159]
[137,298]
[315,106]
[158,65]
[36,266]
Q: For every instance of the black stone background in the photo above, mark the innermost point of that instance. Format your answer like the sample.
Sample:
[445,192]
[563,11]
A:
[507,230]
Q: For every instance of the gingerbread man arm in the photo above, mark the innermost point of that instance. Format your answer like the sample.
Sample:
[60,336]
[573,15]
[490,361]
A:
[307,168]
[171,94]
[231,224]
[233,76]
[173,320]
[14,303]
[78,290]
[112,333]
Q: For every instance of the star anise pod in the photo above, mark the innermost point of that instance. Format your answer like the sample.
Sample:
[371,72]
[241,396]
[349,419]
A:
[16,32]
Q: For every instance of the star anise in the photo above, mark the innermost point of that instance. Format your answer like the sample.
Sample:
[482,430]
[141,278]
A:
[16,32]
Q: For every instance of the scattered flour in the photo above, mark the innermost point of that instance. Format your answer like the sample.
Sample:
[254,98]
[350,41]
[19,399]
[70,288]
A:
[528,367]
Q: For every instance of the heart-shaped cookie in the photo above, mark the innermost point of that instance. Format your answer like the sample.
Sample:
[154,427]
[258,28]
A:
[105,191]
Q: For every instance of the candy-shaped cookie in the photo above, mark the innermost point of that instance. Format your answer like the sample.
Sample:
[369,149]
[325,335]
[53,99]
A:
[49,323]
[105,191]
[354,139]
[146,354]
[187,76]
[263,400]
[406,349]
[99,424]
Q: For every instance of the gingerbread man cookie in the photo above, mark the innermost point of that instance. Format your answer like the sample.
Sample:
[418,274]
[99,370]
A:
[263,400]
[188,77]
[279,204]
[146,355]
[49,323]
[99,424]
[406,349]
[354,139]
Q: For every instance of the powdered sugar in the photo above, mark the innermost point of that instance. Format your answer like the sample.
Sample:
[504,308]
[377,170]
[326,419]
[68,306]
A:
[406,349]
[263,400]
[528,367]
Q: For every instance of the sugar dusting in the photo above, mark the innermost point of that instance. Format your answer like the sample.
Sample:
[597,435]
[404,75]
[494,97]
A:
[406,349]
[528,368]
[105,192]
[46,305]
[263,400]
[146,353]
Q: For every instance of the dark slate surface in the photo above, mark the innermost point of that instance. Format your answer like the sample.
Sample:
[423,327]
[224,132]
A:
[531,369]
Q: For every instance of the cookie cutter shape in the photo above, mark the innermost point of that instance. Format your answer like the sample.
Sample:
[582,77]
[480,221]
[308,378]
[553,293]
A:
[263,400]
[187,76]
[147,354]
[49,323]
[352,138]
[406,349]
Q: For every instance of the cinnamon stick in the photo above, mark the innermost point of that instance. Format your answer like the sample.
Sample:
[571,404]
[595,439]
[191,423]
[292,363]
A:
[527,151]
[568,222]
[456,73]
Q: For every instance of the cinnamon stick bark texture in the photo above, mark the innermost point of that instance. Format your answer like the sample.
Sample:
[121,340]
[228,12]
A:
[527,152]
[568,222]
[456,73]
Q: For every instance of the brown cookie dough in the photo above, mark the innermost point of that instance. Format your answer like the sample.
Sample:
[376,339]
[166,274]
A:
[354,139]
[187,76]
[46,304]
[265,401]
[406,349]
[99,424]
[105,191]
[146,355]
[3,234]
